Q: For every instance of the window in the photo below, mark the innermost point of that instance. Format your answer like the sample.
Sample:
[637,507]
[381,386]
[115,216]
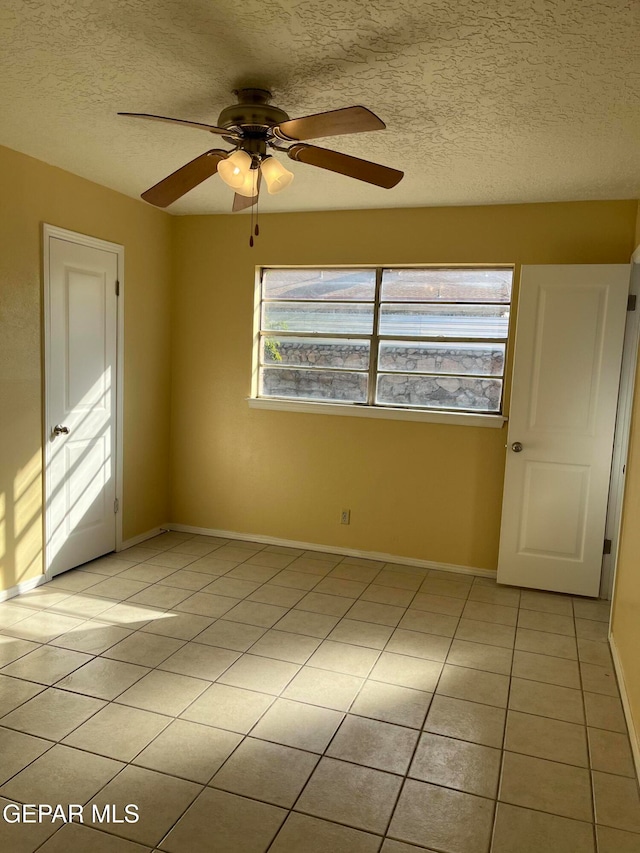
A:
[402,338]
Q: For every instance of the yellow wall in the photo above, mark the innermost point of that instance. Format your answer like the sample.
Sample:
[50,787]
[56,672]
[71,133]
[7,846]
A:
[33,193]
[625,622]
[418,490]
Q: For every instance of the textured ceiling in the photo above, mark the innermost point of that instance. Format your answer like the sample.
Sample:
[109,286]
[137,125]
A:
[485,101]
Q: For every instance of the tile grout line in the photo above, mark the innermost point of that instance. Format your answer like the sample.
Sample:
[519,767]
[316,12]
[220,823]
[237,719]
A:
[504,737]
[194,639]
[420,733]
[130,761]
[592,791]
[344,716]
[127,763]
[102,787]
[323,754]
[289,609]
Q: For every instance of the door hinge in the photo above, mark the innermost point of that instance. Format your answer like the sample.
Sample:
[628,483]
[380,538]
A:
[607,546]
[631,302]
[116,505]
[117,288]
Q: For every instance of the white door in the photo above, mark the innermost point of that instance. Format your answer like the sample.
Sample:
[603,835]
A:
[622,433]
[568,352]
[80,380]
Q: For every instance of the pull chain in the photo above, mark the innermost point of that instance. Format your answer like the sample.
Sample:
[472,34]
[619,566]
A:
[251,228]
[257,228]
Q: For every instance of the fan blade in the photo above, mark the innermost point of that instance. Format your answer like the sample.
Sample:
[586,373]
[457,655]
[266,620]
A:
[344,164]
[242,202]
[332,123]
[199,125]
[184,179]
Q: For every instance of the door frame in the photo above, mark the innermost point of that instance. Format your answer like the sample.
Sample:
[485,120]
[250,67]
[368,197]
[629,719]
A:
[49,231]
[622,433]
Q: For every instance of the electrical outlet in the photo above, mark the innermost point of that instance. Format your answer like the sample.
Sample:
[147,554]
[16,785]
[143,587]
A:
[345,516]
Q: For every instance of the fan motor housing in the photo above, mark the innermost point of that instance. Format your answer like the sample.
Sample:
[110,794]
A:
[253,113]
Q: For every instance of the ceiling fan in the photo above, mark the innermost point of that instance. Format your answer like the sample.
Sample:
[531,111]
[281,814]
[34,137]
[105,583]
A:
[253,126]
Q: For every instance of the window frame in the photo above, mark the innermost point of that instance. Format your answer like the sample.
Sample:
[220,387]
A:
[370,408]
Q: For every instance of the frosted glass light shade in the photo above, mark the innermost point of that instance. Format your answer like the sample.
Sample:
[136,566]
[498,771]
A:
[276,177]
[249,185]
[234,169]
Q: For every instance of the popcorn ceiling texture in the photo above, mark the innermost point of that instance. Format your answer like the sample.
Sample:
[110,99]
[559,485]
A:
[497,101]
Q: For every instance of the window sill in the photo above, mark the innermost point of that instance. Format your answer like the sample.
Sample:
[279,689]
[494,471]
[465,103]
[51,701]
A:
[357,411]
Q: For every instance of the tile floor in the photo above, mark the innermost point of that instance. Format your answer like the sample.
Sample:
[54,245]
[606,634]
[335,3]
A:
[250,698]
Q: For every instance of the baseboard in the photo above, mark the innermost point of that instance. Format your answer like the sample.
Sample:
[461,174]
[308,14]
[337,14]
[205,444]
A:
[32,583]
[332,549]
[626,705]
[24,586]
[142,537]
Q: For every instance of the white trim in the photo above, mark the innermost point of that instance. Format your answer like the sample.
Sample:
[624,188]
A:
[141,537]
[621,436]
[80,239]
[357,411]
[257,305]
[120,400]
[22,587]
[333,549]
[626,705]
[53,231]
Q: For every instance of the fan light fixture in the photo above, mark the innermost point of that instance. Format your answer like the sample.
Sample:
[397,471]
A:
[276,177]
[239,173]
[234,171]
[249,186]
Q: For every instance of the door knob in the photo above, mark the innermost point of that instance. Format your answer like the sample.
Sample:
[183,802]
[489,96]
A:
[59,429]
[516,447]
